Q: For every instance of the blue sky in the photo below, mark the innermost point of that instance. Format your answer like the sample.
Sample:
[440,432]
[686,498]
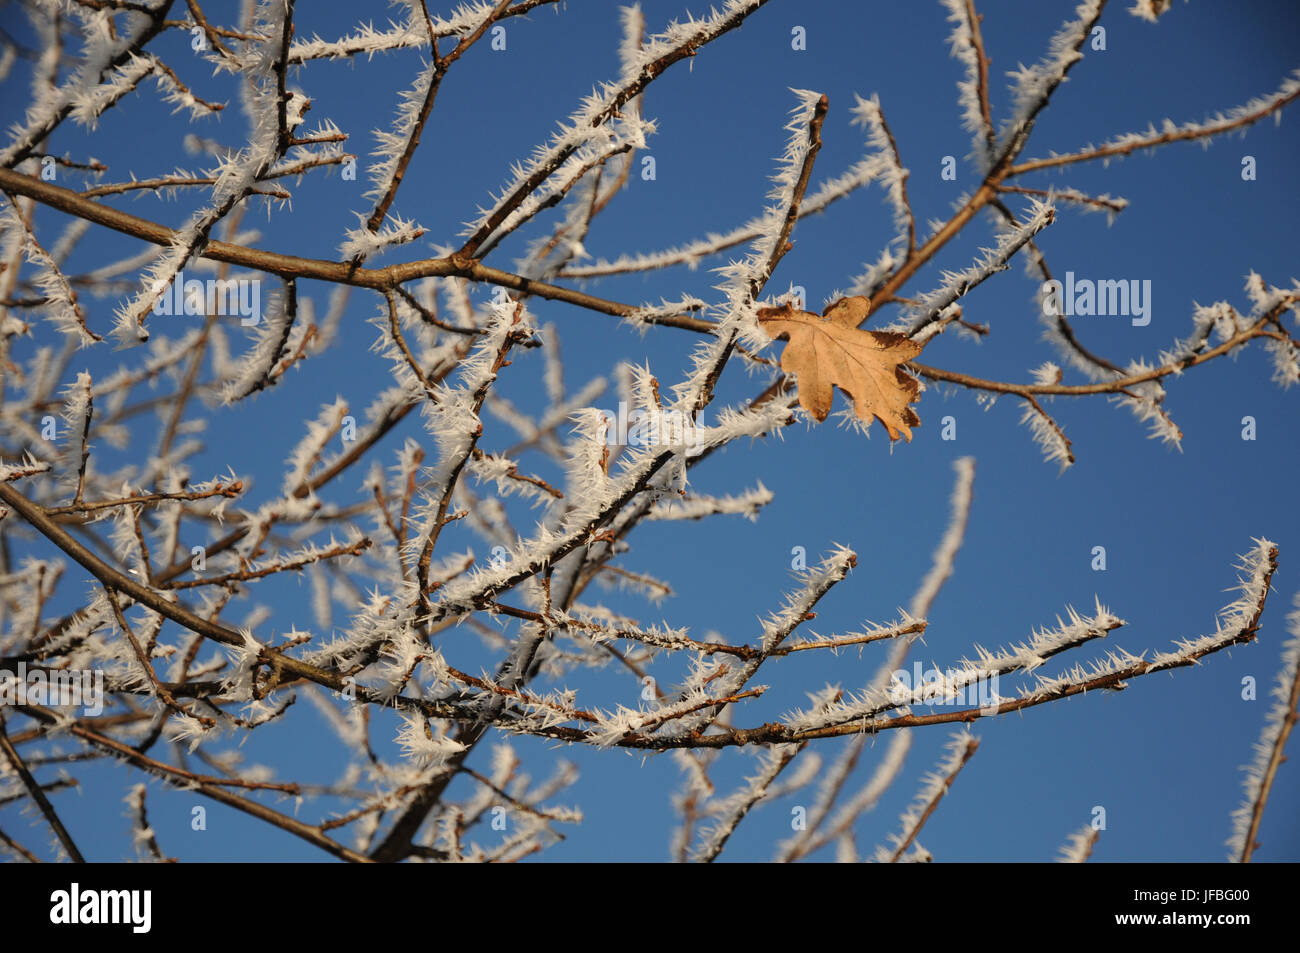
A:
[1163,756]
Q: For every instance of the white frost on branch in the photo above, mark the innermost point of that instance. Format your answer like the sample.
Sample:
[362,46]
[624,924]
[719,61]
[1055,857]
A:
[689,33]
[1146,401]
[587,463]
[866,283]
[1266,748]
[1046,433]
[746,504]
[629,47]
[753,270]
[1234,623]
[425,745]
[501,473]
[938,574]
[933,310]
[596,128]
[1286,362]
[577,146]
[78,408]
[105,39]
[308,450]
[238,685]
[1265,298]
[361,243]
[1032,85]
[886,773]
[1079,845]
[399,658]
[814,583]
[271,343]
[1046,374]
[643,317]
[1112,205]
[867,114]
[933,787]
[238,172]
[60,305]
[1221,122]
[945,555]
[452,416]
[1236,617]
[954,685]
[29,466]
[961,44]
[818,831]
[393,142]
[957,684]
[861,173]
[742,280]
[1028,656]
[1149,10]
[90,104]
[411,33]
[773,761]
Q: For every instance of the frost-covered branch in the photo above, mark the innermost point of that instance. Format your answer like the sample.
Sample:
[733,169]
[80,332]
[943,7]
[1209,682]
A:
[966,43]
[1078,848]
[492,569]
[1236,118]
[1278,725]
[960,750]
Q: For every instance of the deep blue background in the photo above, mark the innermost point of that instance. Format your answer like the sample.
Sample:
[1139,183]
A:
[1162,757]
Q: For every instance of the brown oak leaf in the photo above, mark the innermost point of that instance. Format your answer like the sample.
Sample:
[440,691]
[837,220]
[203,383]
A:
[831,351]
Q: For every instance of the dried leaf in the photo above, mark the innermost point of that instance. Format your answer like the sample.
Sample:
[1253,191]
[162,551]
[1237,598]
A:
[831,351]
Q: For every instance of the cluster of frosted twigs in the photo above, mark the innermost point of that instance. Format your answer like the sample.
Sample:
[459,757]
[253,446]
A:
[126,562]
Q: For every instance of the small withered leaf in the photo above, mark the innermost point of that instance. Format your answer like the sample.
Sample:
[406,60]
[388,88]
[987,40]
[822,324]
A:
[850,312]
[831,351]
